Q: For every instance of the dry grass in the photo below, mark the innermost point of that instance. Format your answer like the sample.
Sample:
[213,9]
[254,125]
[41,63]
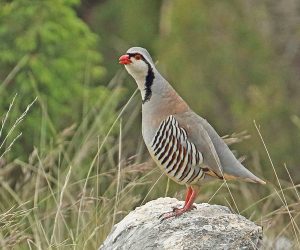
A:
[72,192]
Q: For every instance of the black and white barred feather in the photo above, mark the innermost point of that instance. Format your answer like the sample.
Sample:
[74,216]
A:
[175,154]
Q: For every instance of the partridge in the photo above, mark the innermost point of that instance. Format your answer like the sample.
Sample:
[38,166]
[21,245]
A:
[183,144]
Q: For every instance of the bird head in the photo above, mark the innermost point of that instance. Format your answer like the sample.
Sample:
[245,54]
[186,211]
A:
[137,62]
[140,66]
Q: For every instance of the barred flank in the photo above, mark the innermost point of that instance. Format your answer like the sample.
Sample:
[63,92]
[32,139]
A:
[176,154]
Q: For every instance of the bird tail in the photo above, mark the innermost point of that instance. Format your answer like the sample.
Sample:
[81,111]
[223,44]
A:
[256,180]
[246,176]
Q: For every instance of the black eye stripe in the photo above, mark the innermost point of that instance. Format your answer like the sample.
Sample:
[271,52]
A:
[134,54]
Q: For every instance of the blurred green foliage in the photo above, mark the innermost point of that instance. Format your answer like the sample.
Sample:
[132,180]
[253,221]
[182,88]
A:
[47,51]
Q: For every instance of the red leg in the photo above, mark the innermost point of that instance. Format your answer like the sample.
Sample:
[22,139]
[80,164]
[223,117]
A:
[187,198]
[188,195]
[190,198]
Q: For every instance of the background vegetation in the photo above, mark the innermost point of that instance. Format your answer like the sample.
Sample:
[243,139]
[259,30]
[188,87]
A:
[72,163]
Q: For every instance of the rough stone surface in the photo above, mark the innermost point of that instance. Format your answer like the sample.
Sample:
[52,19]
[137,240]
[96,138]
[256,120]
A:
[207,227]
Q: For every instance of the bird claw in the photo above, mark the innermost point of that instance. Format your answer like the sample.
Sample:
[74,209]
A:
[175,212]
[174,209]
[167,215]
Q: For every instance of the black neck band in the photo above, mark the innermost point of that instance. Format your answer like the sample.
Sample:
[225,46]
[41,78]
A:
[148,83]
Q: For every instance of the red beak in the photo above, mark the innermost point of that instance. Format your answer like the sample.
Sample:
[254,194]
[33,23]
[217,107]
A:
[124,59]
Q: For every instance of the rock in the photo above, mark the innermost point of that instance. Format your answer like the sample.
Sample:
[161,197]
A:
[207,227]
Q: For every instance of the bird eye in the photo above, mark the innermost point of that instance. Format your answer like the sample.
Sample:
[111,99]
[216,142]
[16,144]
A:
[137,57]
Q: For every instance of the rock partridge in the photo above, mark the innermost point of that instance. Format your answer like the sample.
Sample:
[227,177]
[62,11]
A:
[183,144]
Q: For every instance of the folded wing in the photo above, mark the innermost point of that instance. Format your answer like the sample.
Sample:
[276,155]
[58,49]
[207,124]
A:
[216,154]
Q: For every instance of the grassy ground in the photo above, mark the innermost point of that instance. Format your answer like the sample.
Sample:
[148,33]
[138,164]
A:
[72,190]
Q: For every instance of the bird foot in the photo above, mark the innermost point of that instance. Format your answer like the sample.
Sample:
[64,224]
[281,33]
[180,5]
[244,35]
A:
[175,212]
[174,209]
